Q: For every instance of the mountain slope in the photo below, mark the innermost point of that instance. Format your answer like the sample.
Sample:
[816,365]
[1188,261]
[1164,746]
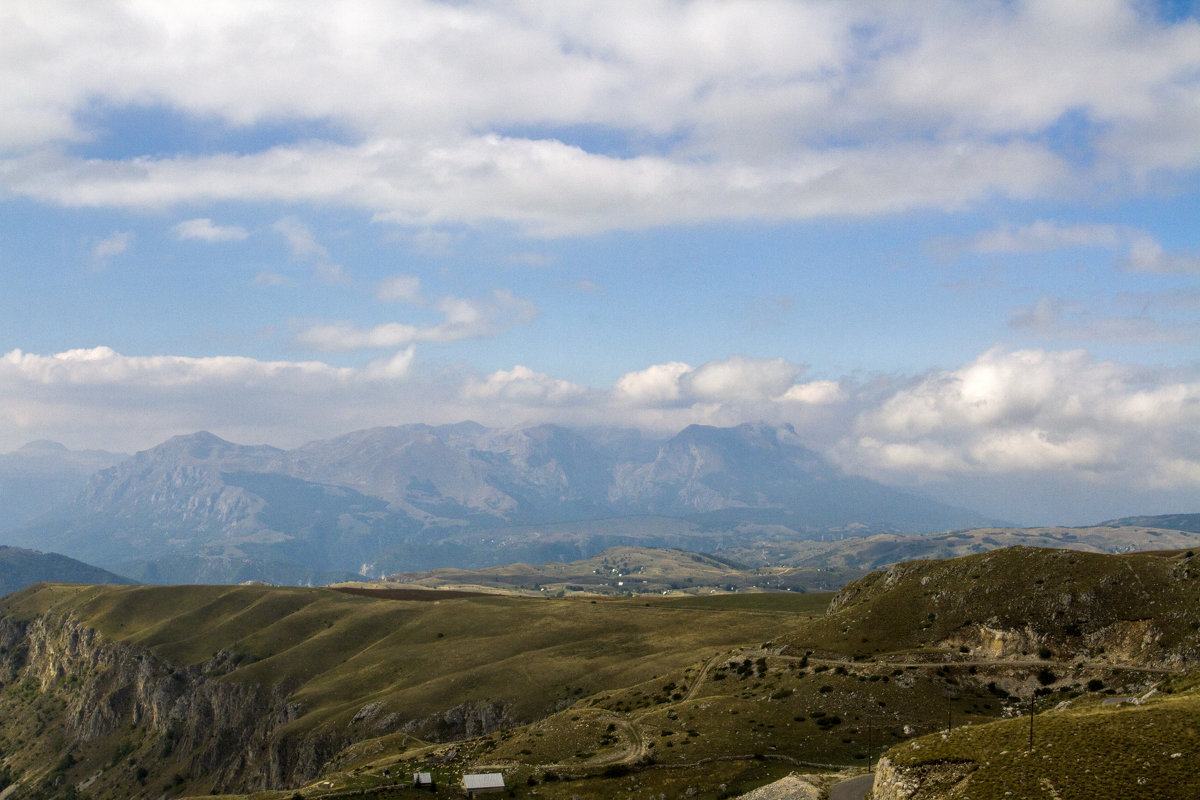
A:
[20,568]
[200,496]
[418,496]
[1178,522]
[42,475]
[881,550]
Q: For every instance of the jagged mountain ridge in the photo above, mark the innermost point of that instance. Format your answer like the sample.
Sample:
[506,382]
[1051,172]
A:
[420,496]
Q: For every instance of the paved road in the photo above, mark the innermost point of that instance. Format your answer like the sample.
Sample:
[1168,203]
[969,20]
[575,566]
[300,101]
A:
[853,789]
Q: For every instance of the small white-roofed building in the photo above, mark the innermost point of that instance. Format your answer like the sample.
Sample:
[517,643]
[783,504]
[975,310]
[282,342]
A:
[483,783]
[423,780]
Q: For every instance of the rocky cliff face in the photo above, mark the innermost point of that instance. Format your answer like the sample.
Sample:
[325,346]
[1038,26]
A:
[129,718]
[117,720]
[926,782]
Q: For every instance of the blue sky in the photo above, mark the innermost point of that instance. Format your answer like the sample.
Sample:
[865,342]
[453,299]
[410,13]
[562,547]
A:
[953,244]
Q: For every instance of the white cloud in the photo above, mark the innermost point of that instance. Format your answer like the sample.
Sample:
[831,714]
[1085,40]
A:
[1147,255]
[402,288]
[654,385]
[1039,412]
[814,393]
[300,240]
[462,318]
[740,378]
[524,386]
[735,379]
[1059,419]
[1143,253]
[1046,235]
[304,246]
[145,399]
[395,366]
[204,230]
[107,248]
[732,111]
[547,188]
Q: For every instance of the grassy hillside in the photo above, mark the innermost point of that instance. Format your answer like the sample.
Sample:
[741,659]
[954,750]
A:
[1083,750]
[336,653]
[1137,608]
[702,696]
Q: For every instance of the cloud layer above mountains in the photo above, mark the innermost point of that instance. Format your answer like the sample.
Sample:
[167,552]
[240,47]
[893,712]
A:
[1022,413]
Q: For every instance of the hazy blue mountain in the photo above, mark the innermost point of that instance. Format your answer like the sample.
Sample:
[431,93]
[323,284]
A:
[420,496]
[20,568]
[1175,522]
[42,475]
[201,496]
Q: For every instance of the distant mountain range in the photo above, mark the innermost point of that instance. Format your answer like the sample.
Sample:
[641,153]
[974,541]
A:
[43,475]
[417,497]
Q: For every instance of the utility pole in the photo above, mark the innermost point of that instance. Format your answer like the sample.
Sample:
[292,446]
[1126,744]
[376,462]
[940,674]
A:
[949,726]
[1031,699]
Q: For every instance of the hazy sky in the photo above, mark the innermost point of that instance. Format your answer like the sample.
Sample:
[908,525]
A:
[955,244]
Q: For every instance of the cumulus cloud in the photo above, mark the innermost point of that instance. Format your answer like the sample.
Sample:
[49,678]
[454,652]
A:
[740,378]
[524,386]
[735,379]
[204,230]
[392,367]
[814,393]
[1035,411]
[765,110]
[462,318]
[654,385]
